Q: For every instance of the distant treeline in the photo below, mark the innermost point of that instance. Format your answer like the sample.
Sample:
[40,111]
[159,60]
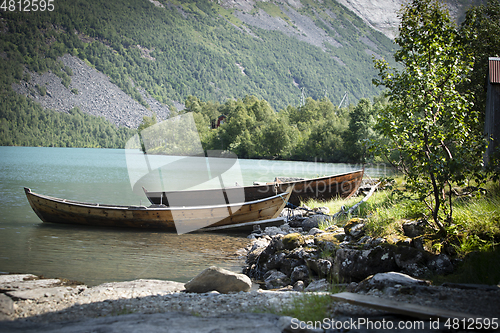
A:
[318,130]
[25,123]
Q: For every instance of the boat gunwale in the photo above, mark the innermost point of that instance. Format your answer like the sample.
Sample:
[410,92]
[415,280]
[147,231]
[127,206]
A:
[261,185]
[145,208]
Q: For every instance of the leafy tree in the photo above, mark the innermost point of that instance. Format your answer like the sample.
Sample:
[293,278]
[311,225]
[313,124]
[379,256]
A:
[146,122]
[429,122]
[360,130]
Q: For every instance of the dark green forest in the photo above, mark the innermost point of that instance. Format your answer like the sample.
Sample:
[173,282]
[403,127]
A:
[25,123]
[316,131]
[183,49]
[194,52]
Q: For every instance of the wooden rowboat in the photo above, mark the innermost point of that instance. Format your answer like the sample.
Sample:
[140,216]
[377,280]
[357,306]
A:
[322,188]
[184,219]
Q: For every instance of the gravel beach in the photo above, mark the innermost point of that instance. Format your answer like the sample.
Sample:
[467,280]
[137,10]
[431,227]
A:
[30,304]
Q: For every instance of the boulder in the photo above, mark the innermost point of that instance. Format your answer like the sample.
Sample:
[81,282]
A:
[292,241]
[257,248]
[292,213]
[329,241]
[288,264]
[322,210]
[315,231]
[440,264]
[314,221]
[6,306]
[322,266]
[274,279]
[299,286]
[300,273]
[296,222]
[414,229]
[218,279]
[355,228]
[382,281]
[351,265]
[411,260]
[274,262]
[318,285]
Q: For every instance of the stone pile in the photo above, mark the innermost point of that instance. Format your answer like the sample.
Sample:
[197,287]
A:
[299,254]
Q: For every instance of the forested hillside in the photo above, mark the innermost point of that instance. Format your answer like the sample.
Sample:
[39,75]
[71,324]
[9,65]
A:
[174,49]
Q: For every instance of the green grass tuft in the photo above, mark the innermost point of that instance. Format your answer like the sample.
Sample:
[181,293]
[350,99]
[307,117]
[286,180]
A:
[474,233]
[305,307]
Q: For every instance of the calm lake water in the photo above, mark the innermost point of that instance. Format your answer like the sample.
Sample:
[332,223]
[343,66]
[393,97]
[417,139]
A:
[96,255]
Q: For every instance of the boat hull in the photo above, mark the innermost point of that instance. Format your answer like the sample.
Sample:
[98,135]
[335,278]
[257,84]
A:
[56,210]
[322,188]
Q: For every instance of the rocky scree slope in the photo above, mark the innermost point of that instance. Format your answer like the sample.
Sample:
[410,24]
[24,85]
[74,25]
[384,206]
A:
[92,92]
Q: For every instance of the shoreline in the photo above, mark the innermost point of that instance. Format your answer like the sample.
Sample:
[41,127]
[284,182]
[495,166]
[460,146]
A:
[46,304]
[29,303]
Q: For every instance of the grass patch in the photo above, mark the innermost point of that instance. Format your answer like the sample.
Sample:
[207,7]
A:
[228,14]
[476,217]
[305,307]
[272,10]
[385,211]
[479,215]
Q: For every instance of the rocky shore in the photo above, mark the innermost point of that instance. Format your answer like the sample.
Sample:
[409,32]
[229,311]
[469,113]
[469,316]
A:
[285,263]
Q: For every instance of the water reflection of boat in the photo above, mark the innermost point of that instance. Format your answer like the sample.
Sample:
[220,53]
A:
[322,188]
[56,210]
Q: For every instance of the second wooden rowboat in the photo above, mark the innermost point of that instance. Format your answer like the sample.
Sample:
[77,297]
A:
[322,188]
[184,219]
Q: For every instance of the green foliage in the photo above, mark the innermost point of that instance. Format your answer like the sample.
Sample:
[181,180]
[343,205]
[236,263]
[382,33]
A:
[429,122]
[361,129]
[477,267]
[307,308]
[42,90]
[315,131]
[188,49]
[147,122]
[476,226]
[24,123]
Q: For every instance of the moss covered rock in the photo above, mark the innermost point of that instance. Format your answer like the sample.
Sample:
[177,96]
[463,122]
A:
[328,241]
[355,228]
[293,240]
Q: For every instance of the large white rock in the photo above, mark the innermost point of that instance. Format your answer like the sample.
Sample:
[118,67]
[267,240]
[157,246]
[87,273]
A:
[382,281]
[218,279]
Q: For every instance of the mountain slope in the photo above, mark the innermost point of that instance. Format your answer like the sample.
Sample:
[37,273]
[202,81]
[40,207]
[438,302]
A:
[172,49]
[91,92]
[382,15]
